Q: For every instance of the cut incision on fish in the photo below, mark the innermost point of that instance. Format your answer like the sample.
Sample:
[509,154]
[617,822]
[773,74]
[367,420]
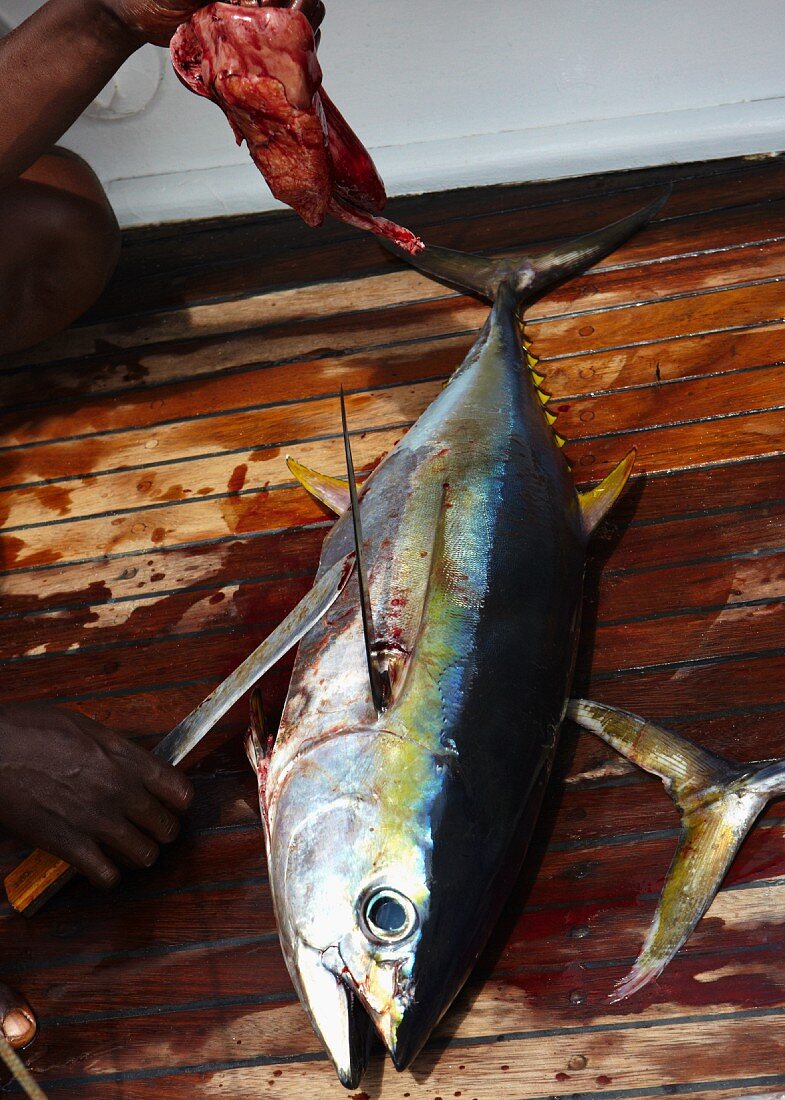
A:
[259,65]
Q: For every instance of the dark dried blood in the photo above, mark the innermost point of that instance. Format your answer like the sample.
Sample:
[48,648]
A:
[259,65]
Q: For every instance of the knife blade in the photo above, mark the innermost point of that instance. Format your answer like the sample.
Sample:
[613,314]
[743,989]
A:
[41,875]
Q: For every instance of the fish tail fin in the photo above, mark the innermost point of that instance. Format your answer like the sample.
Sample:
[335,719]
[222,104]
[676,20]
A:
[530,275]
[718,802]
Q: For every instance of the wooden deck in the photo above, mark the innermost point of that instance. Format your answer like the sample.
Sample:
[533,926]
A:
[151,535]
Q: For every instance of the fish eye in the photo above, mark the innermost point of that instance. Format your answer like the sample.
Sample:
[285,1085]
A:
[388,916]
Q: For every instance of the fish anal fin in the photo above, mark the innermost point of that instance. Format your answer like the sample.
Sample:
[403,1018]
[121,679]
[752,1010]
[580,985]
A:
[718,802]
[333,492]
[710,838]
[597,502]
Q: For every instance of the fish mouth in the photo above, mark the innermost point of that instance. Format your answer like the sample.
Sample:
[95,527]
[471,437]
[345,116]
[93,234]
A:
[384,1002]
[346,1013]
[337,1016]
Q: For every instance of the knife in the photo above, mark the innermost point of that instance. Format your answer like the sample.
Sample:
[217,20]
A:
[41,875]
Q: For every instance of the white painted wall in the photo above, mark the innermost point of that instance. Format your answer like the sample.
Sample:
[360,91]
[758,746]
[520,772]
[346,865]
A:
[453,92]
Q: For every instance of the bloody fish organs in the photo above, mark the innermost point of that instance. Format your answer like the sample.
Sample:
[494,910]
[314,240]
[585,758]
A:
[259,65]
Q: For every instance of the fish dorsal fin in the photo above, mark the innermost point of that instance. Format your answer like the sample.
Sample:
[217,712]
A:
[597,502]
[718,802]
[380,683]
[333,492]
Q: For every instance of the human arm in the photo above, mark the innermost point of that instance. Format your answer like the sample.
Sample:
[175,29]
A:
[80,791]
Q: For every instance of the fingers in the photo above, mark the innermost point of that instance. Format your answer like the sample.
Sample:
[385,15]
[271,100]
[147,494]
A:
[167,784]
[85,855]
[125,839]
[163,781]
[313,10]
[127,802]
[148,813]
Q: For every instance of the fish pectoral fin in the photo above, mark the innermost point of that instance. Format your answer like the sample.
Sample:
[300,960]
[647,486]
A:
[718,801]
[597,502]
[258,740]
[333,492]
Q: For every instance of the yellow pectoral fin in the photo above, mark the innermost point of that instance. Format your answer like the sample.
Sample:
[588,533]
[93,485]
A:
[331,491]
[596,503]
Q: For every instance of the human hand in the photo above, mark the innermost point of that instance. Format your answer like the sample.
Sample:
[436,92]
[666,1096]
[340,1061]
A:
[156,20]
[76,789]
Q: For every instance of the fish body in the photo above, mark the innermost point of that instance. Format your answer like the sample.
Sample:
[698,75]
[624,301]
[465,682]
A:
[394,835]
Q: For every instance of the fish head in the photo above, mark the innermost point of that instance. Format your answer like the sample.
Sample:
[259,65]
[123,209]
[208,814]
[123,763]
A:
[350,852]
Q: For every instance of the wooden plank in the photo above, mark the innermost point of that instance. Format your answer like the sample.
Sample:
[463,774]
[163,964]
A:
[610,283]
[224,352]
[218,242]
[733,348]
[211,654]
[235,513]
[532,1067]
[712,353]
[355,254]
[736,488]
[746,602]
[716,598]
[269,1027]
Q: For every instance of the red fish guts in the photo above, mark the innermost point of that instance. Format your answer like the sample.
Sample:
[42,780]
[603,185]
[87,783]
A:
[259,65]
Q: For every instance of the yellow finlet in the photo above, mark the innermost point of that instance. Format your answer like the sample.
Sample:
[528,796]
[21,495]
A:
[597,502]
[330,491]
[550,417]
[544,397]
[559,440]
[538,378]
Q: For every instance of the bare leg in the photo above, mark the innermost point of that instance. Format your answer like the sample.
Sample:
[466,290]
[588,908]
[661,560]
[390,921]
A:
[60,243]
